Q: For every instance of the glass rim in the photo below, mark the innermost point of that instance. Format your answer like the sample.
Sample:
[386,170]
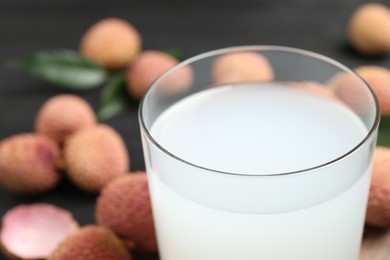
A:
[367,138]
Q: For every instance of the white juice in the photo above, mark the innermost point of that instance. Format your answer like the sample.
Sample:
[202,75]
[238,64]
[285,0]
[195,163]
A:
[258,130]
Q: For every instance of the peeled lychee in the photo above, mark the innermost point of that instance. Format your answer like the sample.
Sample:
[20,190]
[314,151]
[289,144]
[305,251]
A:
[378,209]
[124,207]
[378,78]
[34,231]
[112,43]
[27,163]
[91,243]
[95,156]
[241,66]
[62,115]
[148,66]
[369,29]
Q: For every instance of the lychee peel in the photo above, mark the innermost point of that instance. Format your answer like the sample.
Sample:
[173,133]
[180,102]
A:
[34,231]
[124,207]
[27,163]
[111,42]
[62,115]
[91,242]
[95,156]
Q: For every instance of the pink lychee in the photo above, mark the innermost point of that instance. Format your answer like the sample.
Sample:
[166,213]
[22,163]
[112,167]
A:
[124,207]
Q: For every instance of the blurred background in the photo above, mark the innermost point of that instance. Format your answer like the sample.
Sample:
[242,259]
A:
[191,27]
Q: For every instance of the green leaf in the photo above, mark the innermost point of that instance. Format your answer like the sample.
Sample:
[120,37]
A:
[174,52]
[384,131]
[114,98]
[64,68]
[111,110]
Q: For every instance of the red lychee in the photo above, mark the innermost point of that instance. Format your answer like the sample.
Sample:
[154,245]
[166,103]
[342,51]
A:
[62,115]
[111,42]
[369,29]
[95,156]
[378,209]
[124,207]
[148,66]
[27,163]
[91,243]
[241,66]
[378,78]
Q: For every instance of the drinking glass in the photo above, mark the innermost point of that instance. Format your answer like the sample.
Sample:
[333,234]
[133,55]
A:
[259,152]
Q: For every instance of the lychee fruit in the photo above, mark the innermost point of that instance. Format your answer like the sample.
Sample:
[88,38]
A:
[378,78]
[113,43]
[241,66]
[34,231]
[95,156]
[378,209]
[27,163]
[124,206]
[91,242]
[62,115]
[350,90]
[369,29]
[315,88]
[148,66]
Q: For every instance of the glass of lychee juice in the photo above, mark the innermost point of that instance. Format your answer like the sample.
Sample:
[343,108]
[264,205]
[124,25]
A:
[259,152]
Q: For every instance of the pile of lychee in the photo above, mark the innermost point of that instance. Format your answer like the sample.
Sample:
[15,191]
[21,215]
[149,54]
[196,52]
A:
[369,34]
[68,142]
[115,44]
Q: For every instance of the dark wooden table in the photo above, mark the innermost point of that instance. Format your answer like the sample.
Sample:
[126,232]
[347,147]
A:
[192,26]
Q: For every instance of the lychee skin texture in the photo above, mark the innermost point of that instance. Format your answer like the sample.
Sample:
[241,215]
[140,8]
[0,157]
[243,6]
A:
[62,115]
[27,163]
[34,231]
[369,29]
[124,207]
[112,43]
[241,66]
[148,66]
[378,209]
[91,243]
[95,156]
[378,78]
